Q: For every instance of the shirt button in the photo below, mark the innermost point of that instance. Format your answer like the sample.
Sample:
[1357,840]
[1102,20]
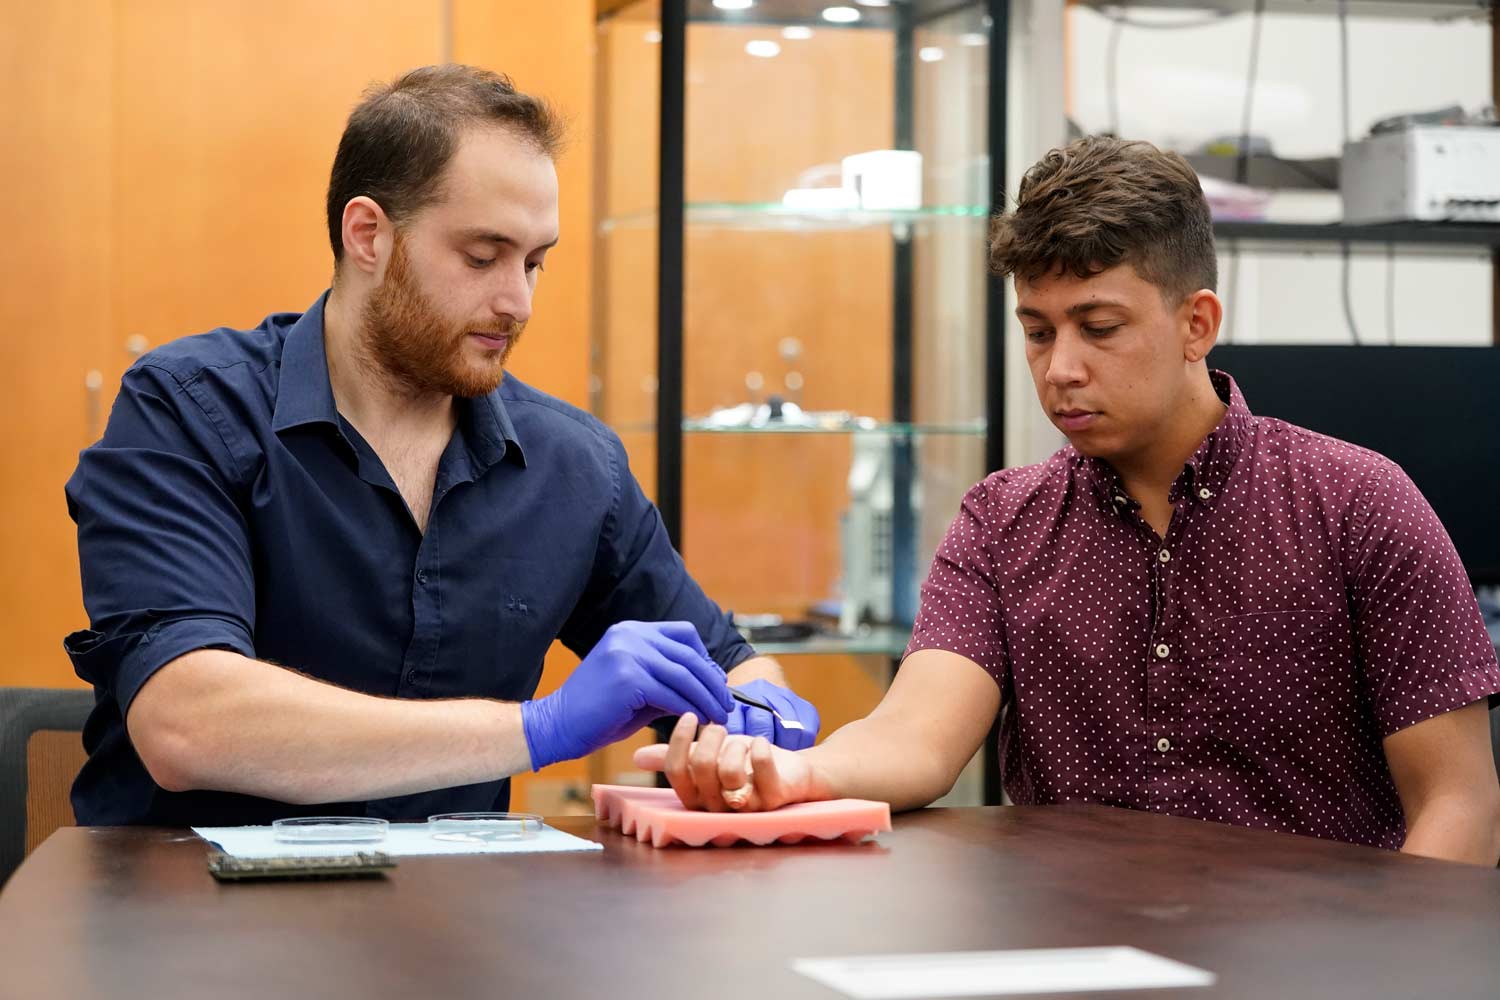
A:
[1163,744]
[411,677]
[1164,555]
[422,577]
[1205,493]
[1163,650]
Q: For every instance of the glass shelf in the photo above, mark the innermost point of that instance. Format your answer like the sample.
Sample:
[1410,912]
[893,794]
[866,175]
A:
[974,428]
[882,640]
[774,215]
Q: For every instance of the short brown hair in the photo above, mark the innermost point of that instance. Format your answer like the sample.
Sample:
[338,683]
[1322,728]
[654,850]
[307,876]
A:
[1099,202]
[402,134]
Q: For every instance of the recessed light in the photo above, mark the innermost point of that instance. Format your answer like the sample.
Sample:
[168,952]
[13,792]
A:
[974,38]
[796,33]
[653,37]
[930,53]
[840,15]
[873,3]
[763,48]
[734,4]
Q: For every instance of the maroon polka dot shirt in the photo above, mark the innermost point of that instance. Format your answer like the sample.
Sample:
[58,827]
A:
[1305,604]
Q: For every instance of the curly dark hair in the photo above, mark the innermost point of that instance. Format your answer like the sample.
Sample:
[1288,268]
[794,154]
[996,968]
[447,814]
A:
[402,134]
[1099,202]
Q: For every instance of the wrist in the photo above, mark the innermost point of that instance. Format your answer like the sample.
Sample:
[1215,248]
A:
[542,728]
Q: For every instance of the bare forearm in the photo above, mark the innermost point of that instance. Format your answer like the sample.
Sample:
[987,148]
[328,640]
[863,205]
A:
[217,720]
[758,668]
[881,758]
[1456,829]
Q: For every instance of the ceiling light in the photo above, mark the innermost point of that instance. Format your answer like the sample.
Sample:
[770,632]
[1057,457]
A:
[763,48]
[796,33]
[840,15]
[734,4]
[653,37]
[930,53]
[973,38]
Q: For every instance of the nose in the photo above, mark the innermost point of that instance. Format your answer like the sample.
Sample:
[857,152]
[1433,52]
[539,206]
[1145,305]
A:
[1065,364]
[512,294]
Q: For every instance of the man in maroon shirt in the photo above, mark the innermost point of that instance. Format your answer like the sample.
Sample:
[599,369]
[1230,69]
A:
[1189,609]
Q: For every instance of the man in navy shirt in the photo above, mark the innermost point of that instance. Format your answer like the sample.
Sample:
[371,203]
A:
[323,559]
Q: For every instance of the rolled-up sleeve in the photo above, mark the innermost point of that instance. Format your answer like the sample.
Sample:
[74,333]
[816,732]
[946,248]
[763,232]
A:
[638,576]
[162,542]
[1423,648]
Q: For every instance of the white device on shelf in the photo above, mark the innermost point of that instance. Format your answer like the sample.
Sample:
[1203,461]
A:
[866,531]
[885,179]
[1427,173]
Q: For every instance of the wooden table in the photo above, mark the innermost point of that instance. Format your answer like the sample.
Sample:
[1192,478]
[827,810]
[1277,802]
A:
[132,913]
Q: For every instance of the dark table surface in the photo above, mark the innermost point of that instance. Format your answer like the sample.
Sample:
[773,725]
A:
[133,913]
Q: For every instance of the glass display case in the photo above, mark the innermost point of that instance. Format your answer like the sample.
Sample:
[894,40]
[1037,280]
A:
[795,333]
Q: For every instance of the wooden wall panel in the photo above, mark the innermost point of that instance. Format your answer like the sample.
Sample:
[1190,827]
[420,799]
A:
[56,309]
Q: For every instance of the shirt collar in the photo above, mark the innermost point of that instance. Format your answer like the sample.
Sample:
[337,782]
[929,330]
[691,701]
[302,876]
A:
[1205,472]
[305,395]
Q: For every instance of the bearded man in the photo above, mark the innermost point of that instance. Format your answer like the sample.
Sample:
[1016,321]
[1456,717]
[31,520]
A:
[323,559]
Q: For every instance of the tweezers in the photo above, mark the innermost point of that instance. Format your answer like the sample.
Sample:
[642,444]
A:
[746,699]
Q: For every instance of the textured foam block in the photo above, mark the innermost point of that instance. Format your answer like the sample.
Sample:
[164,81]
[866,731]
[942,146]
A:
[657,817]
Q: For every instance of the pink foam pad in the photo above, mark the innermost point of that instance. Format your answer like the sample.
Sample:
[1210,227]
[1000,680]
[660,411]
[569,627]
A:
[657,816]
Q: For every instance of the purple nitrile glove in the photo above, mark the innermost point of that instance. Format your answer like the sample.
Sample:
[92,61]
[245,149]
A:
[755,722]
[636,673]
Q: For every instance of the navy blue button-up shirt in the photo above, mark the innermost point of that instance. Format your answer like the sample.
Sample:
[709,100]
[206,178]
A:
[230,506]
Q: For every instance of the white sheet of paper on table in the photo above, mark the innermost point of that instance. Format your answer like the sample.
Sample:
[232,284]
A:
[999,973]
[403,840]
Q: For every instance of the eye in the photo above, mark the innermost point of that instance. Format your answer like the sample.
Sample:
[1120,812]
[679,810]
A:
[1038,335]
[1100,331]
[479,262]
[534,265]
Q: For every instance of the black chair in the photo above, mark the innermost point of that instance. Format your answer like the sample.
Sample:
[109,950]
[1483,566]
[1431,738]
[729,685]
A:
[41,752]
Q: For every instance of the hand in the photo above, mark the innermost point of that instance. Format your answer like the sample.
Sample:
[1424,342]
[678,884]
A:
[701,772]
[638,672]
[757,722]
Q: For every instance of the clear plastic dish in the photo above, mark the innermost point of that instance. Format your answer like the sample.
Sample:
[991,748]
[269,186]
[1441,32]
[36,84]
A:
[330,830]
[483,827]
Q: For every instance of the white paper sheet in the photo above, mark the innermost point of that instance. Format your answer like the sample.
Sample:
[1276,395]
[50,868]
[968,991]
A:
[1002,973]
[402,840]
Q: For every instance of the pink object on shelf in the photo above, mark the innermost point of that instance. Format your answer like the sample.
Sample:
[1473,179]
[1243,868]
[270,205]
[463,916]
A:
[656,816]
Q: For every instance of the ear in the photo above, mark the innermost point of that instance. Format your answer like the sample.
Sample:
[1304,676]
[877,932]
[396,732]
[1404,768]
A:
[367,235]
[1204,312]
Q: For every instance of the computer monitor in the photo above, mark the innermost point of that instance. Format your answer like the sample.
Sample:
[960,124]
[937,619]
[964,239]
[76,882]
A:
[1435,411]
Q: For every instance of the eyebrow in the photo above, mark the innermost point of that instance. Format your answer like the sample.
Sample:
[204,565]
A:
[490,236]
[1075,310]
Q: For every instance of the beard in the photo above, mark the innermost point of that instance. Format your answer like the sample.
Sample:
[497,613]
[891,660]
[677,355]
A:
[417,348]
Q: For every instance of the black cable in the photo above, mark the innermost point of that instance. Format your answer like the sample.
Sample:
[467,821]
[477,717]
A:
[1390,292]
[1231,290]
[1242,164]
[1345,264]
[1346,267]
[1118,22]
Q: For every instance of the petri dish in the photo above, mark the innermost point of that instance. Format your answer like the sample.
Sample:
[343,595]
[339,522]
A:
[483,827]
[330,830]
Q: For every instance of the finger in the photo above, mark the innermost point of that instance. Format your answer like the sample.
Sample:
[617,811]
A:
[700,684]
[663,698]
[759,722]
[734,774]
[652,758]
[703,765]
[675,761]
[685,633]
[768,785]
[691,656]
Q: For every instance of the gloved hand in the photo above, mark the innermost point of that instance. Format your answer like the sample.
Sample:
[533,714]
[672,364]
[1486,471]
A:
[636,673]
[756,722]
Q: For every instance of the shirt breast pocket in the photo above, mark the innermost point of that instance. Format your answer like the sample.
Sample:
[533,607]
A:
[1272,675]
